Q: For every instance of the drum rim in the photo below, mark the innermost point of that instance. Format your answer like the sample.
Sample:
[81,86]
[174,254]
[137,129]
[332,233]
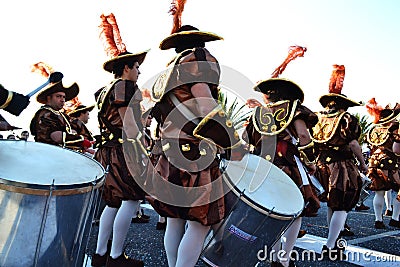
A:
[257,206]
[58,190]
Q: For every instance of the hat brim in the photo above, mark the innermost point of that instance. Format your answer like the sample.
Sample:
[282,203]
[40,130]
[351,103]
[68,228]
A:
[338,98]
[138,57]
[85,109]
[286,88]
[393,115]
[70,92]
[174,39]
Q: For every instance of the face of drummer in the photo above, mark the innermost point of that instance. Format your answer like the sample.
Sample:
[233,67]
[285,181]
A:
[132,74]
[56,100]
[84,117]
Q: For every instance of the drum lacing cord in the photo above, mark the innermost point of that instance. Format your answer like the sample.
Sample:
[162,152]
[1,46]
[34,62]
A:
[42,224]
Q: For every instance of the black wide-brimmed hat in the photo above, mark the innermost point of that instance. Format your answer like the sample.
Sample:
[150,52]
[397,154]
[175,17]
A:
[125,57]
[340,99]
[335,90]
[188,34]
[387,115]
[284,87]
[70,92]
[80,109]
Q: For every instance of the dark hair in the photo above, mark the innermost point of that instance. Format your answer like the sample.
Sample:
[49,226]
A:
[336,106]
[274,96]
[118,67]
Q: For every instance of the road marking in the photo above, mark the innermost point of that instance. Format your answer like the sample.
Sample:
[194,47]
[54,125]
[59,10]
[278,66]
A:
[373,237]
[356,255]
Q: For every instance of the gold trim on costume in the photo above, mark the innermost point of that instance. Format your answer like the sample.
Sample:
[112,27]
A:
[376,137]
[8,100]
[205,120]
[325,130]
[274,123]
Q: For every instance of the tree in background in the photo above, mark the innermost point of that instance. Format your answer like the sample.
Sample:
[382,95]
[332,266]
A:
[238,113]
[365,124]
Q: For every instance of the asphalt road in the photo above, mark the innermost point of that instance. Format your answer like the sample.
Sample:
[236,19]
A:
[377,247]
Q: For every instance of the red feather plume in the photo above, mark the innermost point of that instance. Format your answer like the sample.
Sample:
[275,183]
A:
[337,78]
[42,68]
[71,105]
[374,109]
[295,51]
[110,36]
[176,10]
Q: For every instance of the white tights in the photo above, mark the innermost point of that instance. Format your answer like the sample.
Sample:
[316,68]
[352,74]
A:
[336,225]
[396,209]
[183,248]
[117,221]
[288,241]
[378,205]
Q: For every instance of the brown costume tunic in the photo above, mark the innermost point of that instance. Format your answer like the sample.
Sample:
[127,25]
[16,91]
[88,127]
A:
[120,184]
[270,131]
[81,129]
[46,121]
[336,166]
[175,131]
[383,163]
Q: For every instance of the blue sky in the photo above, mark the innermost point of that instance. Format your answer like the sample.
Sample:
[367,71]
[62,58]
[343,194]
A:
[363,35]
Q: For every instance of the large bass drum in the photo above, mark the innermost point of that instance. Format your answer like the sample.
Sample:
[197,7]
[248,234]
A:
[267,202]
[47,199]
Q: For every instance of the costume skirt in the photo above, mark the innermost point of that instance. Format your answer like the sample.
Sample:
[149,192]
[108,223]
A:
[343,182]
[119,184]
[205,209]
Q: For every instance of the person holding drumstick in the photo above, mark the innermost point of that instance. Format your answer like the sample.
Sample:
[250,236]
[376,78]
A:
[279,132]
[49,124]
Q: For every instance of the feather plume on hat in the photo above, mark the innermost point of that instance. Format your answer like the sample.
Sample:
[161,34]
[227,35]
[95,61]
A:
[42,68]
[374,109]
[295,51]
[337,79]
[176,10]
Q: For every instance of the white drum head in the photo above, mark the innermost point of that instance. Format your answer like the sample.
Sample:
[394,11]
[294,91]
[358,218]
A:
[39,164]
[265,185]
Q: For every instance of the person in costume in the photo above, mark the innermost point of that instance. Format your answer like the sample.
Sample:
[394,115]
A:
[79,118]
[50,124]
[189,89]
[119,117]
[383,163]
[335,136]
[279,132]
[12,102]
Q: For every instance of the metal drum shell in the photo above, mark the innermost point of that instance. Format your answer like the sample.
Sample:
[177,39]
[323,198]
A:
[45,222]
[267,202]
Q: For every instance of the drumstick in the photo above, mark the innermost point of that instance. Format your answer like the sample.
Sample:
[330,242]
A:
[53,78]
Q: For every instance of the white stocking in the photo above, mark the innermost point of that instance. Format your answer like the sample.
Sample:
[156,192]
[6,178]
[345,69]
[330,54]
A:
[105,228]
[121,226]
[388,199]
[396,210]
[289,238]
[161,219]
[191,244]
[172,238]
[378,205]
[337,222]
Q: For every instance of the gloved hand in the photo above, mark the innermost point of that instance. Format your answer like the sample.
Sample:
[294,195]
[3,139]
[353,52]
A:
[312,201]
[86,143]
[18,103]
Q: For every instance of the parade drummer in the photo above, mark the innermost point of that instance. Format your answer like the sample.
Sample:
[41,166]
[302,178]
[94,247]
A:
[189,89]
[79,118]
[119,116]
[279,132]
[383,163]
[336,137]
[50,124]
